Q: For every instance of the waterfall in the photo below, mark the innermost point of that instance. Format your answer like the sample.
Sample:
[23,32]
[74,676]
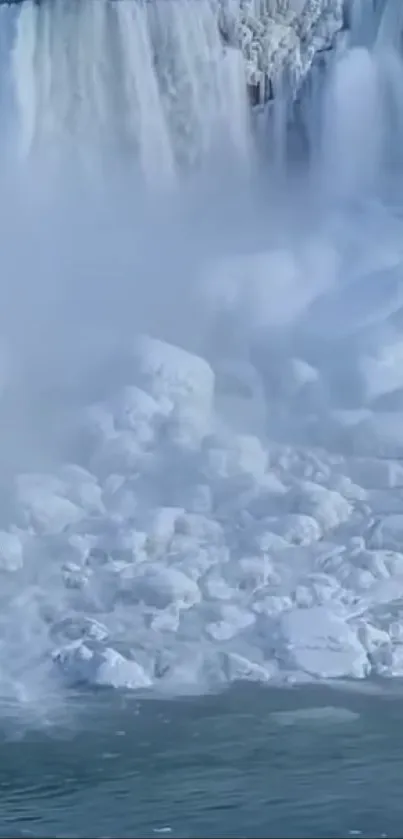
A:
[150,81]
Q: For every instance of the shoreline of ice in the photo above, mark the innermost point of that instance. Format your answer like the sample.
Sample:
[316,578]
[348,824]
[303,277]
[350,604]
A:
[180,555]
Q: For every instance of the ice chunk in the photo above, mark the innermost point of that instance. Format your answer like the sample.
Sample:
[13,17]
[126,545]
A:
[42,504]
[232,621]
[372,638]
[237,668]
[11,551]
[80,663]
[160,524]
[346,488]
[82,488]
[159,586]
[186,427]
[388,533]
[118,672]
[297,528]
[166,620]
[250,573]
[323,644]
[230,457]
[327,506]
[172,374]
[215,587]
[260,536]
[135,410]
[201,528]
[321,715]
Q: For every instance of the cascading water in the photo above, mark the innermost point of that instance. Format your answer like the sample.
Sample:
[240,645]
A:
[151,81]
[353,124]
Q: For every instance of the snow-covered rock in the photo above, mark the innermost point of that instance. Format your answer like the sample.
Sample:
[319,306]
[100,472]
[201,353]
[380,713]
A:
[159,586]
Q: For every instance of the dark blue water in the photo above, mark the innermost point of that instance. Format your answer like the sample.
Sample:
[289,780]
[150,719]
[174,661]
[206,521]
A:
[249,763]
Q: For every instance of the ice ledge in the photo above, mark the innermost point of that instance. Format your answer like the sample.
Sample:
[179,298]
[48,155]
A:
[279,39]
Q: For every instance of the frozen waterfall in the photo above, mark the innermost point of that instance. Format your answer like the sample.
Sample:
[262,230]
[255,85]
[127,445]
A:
[201,390]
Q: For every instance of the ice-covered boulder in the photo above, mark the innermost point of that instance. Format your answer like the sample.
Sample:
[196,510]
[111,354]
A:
[82,488]
[322,644]
[79,663]
[230,621]
[135,410]
[41,503]
[159,525]
[171,375]
[328,507]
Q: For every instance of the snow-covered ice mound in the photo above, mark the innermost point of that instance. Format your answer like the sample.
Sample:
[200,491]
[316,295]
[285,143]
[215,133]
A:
[181,555]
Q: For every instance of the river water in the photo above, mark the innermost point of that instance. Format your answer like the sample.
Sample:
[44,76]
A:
[303,762]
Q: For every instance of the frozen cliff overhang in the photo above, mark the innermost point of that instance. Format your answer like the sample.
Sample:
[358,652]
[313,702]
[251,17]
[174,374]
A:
[280,38]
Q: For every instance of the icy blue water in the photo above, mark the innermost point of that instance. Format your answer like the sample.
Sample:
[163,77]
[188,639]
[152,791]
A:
[299,763]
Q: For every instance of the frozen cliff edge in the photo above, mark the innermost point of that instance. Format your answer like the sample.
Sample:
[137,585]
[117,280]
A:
[279,39]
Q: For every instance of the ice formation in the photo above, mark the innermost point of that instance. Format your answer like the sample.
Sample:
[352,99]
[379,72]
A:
[280,38]
[184,546]
[188,562]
